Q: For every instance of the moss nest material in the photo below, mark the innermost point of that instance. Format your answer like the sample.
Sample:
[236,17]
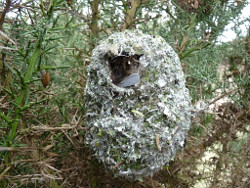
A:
[138,108]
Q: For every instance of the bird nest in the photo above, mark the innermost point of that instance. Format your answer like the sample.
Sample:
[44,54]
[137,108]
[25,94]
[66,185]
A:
[138,108]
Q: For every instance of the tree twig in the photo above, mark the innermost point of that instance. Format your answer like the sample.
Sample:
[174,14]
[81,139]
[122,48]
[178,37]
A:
[94,21]
[220,97]
[2,17]
[130,14]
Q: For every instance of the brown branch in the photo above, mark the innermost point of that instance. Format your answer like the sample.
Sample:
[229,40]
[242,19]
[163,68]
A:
[130,14]
[5,75]
[2,17]
[94,21]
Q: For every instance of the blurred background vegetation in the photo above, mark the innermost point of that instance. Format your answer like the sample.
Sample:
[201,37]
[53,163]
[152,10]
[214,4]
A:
[45,47]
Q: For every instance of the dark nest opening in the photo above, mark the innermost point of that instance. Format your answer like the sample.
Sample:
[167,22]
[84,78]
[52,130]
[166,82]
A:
[124,67]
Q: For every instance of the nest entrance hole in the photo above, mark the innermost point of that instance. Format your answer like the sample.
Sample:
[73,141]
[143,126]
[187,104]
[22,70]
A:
[124,65]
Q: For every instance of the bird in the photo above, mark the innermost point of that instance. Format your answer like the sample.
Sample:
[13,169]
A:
[130,80]
[125,69]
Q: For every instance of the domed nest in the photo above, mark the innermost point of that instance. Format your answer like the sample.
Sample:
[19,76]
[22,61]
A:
[138,108]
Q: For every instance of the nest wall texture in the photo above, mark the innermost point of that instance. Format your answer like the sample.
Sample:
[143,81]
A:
[136,130]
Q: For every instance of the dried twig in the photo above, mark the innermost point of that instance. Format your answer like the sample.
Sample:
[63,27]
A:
[220,97]
[46,128]
[5,36]
[5,171]
[7,149]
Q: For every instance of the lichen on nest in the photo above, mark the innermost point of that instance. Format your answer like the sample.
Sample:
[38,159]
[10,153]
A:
[136,130]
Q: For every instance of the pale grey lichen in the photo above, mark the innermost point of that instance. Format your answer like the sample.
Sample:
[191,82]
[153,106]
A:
[136,131]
